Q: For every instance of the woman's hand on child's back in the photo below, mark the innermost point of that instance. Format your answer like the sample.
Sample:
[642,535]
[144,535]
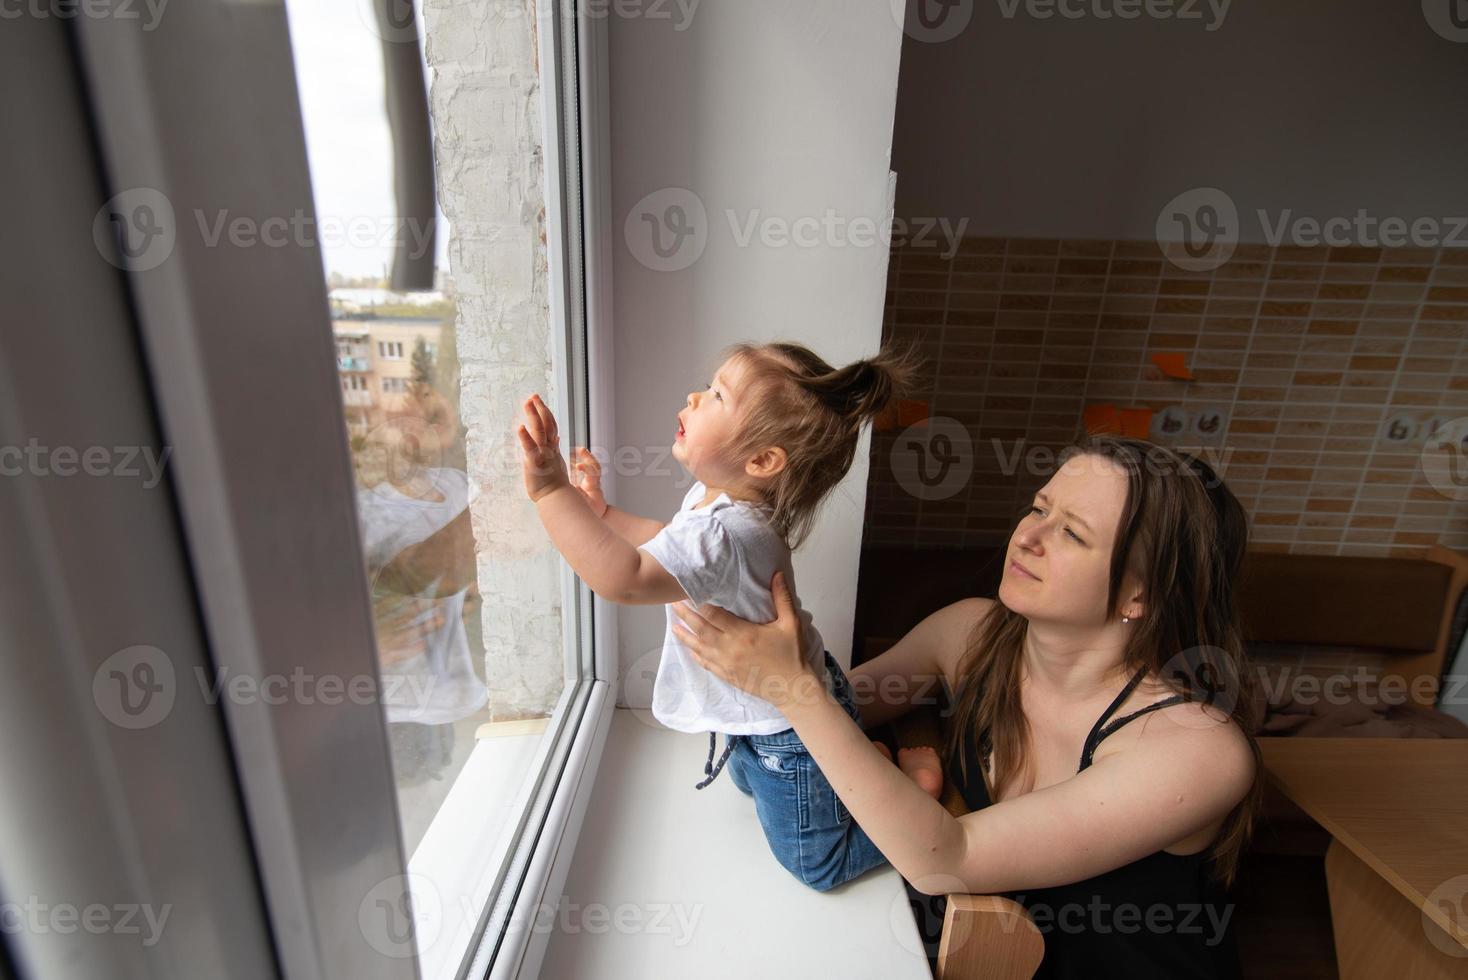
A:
[543,465]
[586,475]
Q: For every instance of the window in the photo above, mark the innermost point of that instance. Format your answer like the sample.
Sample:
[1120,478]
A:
[488,676]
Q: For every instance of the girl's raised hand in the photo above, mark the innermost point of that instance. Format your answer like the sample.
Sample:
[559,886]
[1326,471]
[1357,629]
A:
[586,476]
[543,466]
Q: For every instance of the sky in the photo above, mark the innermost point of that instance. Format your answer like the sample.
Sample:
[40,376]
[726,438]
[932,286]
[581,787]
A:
[339,74]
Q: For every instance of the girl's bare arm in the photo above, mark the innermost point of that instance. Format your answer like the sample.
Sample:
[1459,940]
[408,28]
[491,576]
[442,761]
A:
[636,531]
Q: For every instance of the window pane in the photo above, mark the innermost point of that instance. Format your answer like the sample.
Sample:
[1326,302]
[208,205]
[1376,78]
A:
[471,617]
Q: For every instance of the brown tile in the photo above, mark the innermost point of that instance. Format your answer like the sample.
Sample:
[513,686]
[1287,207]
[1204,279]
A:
[1337,290]
[1355,254]
[1086,247]
[1316,378]
[1404,273]
[1333,327]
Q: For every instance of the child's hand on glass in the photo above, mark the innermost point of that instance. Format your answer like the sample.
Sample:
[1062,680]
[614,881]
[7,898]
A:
[543,465]
[586,476]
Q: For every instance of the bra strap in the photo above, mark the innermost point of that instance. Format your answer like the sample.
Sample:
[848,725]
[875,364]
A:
[1097,732]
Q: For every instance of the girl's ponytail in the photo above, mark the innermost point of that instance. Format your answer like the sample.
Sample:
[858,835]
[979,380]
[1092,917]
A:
[815,413]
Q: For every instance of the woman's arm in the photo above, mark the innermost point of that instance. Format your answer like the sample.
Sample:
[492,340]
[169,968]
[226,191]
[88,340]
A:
[912,671]
[1179,779]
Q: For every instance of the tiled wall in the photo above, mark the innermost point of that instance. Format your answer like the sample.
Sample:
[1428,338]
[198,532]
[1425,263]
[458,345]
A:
[1307,354]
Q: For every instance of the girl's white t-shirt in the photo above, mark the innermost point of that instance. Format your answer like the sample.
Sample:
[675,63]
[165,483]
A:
[724,554]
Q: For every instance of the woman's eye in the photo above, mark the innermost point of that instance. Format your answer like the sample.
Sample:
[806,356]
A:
[1034,510]
[1073,534]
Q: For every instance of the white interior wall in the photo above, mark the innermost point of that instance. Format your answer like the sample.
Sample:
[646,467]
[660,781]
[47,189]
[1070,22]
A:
[775,111]
[1086,127]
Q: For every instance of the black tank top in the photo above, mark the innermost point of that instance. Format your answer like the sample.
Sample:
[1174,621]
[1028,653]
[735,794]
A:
[1162,915]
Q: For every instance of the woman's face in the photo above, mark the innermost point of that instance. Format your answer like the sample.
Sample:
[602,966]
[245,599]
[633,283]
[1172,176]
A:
[1058,565]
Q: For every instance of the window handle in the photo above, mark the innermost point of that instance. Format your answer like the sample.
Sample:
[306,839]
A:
[412,141]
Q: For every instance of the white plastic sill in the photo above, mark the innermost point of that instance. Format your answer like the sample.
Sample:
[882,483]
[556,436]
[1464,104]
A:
[470,836]
[669,881]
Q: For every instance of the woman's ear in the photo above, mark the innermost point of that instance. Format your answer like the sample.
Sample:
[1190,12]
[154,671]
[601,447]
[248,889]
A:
[767,463]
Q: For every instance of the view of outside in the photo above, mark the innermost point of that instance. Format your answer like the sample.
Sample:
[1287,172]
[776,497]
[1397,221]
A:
[399,372]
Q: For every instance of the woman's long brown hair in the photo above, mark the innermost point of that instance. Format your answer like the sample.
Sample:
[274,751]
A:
[1182,536]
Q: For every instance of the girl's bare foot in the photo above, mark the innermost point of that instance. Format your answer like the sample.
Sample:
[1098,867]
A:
[921,766]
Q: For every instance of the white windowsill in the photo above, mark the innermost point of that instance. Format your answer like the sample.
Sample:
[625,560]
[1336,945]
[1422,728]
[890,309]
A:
[674,882]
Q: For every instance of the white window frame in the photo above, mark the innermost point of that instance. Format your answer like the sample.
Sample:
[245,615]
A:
[153,131]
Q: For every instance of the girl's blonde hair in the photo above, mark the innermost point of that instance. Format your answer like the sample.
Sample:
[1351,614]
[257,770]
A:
[814,412]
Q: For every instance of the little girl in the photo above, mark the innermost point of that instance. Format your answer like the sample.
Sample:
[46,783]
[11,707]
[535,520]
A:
[768,438]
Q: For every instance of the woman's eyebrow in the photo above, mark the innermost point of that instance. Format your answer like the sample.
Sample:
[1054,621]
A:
[1068,513]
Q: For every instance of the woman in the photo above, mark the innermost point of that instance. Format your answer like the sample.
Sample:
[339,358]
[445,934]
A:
[1100,732]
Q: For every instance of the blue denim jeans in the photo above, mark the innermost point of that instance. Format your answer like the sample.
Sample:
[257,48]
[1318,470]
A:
[808,828]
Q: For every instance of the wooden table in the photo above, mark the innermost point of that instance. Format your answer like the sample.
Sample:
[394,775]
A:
[1397,866]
